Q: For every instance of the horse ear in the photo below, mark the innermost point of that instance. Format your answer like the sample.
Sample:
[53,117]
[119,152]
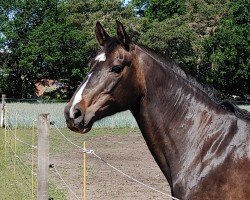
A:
[101,34]
[122,35]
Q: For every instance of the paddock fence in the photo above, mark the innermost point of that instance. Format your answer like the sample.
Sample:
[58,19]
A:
[20,152]
[27,156]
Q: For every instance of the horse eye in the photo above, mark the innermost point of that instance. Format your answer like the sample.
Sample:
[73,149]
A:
[117,69]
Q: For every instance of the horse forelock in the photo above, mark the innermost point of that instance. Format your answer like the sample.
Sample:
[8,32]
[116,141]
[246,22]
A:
[111,45]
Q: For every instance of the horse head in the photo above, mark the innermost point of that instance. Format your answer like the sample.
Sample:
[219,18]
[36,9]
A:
[110,86]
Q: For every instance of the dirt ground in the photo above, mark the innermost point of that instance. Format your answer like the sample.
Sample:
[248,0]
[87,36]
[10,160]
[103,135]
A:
[128,153]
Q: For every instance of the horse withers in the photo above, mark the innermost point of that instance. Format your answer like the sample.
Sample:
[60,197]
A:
[201,144]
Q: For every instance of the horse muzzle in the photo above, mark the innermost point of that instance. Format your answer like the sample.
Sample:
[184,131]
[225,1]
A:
[75,119]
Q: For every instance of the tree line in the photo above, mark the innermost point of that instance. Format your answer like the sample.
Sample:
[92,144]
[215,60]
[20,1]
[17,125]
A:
[55,39]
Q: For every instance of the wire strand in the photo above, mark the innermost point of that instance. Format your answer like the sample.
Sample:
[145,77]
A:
[114,168]
[20,160]
[18,139]
[84,150]
[64,182]
[27,144]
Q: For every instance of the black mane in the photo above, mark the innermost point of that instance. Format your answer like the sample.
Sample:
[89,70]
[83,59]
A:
[216,97]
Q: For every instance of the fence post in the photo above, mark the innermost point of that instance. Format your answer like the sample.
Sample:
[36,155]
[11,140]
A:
[15,148]
[84,171]
[32,160]
[3,110]
[5,132]
[43,157]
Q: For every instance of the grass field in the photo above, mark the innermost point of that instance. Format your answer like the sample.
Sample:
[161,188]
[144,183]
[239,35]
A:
[25,113]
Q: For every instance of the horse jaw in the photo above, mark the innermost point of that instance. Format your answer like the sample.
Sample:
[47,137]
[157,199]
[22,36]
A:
[86,130]
[94,112]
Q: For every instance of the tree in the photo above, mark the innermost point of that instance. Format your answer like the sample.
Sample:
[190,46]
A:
[227,50]
[160,9]
[51,39]
[22,26]
[55,39]
[209,39]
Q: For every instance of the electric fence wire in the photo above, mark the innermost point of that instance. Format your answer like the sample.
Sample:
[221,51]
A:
[18,139]
[91,152]
[22,174]
[64,182]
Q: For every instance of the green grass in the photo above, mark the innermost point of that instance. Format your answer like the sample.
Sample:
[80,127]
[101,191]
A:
[19,187]
[11,188]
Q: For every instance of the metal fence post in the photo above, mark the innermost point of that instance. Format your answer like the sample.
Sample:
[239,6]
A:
[43,157]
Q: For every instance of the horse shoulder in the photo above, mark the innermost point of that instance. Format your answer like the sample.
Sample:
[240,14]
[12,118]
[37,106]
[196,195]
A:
[222,166]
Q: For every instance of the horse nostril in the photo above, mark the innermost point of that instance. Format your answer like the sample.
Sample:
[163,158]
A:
[77,113]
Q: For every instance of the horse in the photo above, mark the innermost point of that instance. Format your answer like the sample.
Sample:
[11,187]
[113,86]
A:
[200,142]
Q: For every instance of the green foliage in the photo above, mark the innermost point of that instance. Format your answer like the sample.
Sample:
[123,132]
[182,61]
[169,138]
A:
[210,39]
[55,39]
[228,51]
[32,31]
[51,39]
[163,9]
[159,9]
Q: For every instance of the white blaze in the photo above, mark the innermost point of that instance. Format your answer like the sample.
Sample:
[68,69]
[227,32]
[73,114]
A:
[101,57]
[78,97]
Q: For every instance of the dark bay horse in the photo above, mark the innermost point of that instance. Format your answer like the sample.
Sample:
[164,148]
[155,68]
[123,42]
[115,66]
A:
[201,144]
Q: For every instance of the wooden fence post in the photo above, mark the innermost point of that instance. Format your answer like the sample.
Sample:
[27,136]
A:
[43,157]
[3,110]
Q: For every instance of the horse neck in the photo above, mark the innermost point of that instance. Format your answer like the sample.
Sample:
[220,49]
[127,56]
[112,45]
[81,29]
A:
[167,111]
